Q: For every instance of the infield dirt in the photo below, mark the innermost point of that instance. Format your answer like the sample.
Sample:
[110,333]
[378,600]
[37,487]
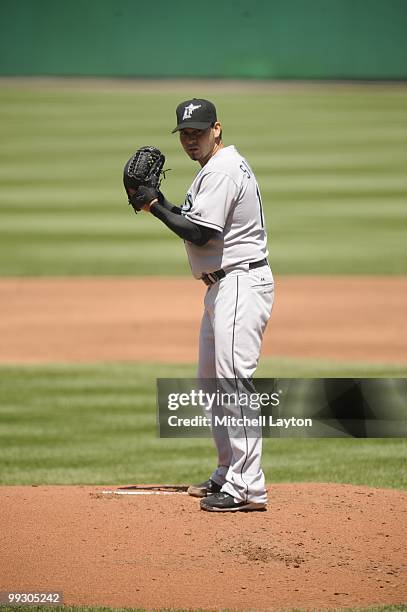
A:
[157,319]
[317,546]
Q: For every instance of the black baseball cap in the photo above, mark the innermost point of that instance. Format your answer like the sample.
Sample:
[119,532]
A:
[196,113]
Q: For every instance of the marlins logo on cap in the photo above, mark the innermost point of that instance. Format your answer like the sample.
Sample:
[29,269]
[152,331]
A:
[189,110]
[195,113]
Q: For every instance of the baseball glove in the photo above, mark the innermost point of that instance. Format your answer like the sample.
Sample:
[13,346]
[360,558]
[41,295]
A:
[144,170]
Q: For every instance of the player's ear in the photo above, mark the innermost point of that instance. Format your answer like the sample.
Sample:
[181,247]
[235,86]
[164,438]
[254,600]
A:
[218,129]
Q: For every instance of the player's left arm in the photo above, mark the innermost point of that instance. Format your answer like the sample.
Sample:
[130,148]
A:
[168,205]
[155,202]
[184,228]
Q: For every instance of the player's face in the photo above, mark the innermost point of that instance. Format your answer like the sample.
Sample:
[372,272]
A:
[200,145]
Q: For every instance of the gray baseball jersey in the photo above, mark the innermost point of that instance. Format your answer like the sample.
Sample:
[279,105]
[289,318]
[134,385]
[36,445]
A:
[225,197]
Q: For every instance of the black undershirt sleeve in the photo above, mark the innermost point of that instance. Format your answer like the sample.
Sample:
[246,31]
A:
[168,205]
[171,216]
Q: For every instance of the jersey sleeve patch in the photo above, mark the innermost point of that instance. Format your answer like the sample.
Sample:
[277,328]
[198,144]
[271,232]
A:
[216,193]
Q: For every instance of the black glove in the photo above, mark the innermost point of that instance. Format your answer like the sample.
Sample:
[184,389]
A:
[143,169]
[143,196]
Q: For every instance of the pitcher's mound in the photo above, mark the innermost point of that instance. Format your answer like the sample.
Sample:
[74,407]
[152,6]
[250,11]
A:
[317,546]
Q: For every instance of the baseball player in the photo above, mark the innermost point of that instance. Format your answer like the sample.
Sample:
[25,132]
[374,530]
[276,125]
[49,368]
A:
[223,226]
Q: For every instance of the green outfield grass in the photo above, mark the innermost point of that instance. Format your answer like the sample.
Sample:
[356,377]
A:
[96,424]
[330,162]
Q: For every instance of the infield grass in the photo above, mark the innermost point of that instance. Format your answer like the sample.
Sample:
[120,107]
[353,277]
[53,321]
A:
[330,161]
[96,424]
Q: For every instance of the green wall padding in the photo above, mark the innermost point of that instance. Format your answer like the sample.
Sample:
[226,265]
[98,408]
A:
[351,39]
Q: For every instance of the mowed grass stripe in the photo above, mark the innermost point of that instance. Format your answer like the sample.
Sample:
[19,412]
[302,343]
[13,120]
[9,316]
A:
[96,424]
[330,163]
[44,220]
[109,244]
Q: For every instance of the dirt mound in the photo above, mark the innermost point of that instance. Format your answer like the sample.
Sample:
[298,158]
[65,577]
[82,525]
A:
[318,545]
[157,319]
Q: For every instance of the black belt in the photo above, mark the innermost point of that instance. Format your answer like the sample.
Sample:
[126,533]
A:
[214,277]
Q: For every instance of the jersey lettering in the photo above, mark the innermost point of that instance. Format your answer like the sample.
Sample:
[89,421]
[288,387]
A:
[244,168]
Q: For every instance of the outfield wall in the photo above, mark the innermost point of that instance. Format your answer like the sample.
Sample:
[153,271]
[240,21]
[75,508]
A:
[352,39]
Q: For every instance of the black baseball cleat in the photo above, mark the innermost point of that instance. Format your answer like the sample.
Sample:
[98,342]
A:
[205,488]
[223,502]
